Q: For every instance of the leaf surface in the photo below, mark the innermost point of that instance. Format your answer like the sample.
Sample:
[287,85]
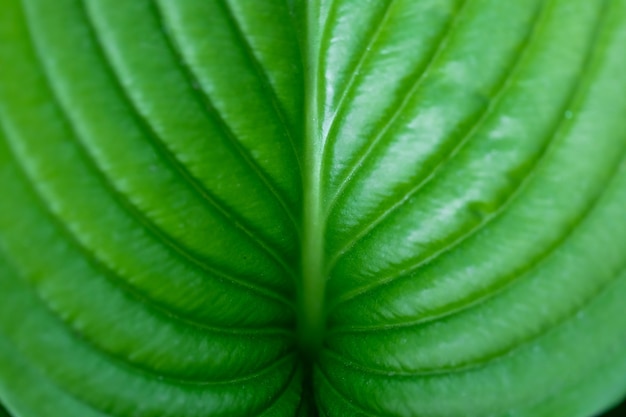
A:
[281,208]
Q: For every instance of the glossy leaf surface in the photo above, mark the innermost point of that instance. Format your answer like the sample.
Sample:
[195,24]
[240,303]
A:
[300,208]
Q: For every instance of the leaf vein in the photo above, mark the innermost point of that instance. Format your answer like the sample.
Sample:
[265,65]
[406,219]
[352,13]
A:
[206,101]
[499,92]
[576,96]
[437,50]
[207,196]
[122,200]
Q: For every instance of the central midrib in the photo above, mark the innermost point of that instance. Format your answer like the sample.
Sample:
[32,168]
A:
[311,320]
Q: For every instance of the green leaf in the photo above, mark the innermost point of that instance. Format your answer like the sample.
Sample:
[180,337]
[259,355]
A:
[301,208]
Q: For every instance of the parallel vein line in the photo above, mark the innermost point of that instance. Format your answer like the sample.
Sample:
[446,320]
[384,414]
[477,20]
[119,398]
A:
[355,70]
[494,290]
[212,201]
[50,380]
[135,367]
[206,101]
[110,275]
[499,355]
[333,387]
[263,76]
[281,392]
[440,47]
[498,287]
[498,93]
[147,225]
[576,96]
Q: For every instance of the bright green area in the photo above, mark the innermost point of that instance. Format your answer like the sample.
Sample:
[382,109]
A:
[302,208]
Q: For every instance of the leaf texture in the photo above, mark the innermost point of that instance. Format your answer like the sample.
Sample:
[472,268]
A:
[302,208]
